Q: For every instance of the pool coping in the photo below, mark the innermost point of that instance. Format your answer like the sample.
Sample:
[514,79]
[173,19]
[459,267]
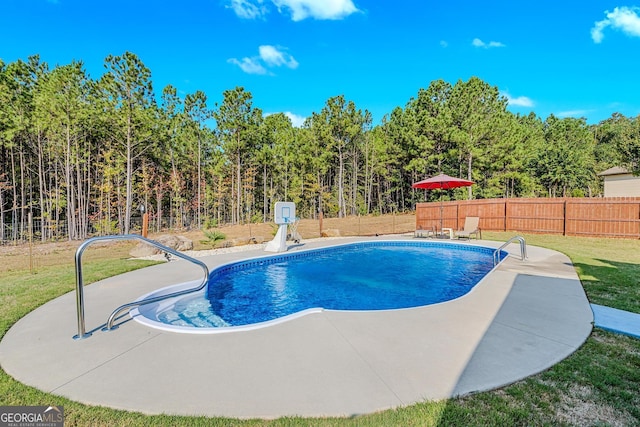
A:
[523,318]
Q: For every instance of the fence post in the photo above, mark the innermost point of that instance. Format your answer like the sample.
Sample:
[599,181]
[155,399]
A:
[393,223]
[30,222]
[506,209]
[564,219]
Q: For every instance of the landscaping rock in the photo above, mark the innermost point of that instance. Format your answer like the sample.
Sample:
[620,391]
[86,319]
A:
[242,241]
[179,243]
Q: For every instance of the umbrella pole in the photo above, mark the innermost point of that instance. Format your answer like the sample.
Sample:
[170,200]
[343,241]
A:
[441,210]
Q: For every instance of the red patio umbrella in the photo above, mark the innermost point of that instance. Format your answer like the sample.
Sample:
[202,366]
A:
[442,182]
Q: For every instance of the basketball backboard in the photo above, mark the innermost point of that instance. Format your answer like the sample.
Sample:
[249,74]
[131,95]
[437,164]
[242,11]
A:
[285,213]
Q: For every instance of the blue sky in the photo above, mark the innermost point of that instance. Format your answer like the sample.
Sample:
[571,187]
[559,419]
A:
[569,58]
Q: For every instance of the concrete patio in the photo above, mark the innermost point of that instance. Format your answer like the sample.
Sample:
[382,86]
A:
[520,320]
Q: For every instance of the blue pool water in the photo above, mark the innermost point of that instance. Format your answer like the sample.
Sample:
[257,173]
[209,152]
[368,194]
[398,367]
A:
[362,276]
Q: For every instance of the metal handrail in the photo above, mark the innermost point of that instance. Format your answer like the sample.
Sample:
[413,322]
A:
[82,333]
[523,248]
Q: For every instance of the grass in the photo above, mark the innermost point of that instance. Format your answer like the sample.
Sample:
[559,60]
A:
[608,268]
[597,385]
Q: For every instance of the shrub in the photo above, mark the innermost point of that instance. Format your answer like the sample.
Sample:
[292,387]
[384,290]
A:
[212,236]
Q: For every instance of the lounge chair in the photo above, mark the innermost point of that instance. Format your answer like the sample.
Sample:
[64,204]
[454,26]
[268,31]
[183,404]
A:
[424,232]
[470,227]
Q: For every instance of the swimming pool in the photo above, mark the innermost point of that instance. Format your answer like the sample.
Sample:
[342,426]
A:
[380,275]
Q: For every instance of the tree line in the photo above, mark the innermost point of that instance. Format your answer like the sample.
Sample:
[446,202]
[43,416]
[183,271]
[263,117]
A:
[88,152]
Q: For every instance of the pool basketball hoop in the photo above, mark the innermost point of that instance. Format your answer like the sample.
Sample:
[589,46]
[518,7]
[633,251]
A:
[285,214]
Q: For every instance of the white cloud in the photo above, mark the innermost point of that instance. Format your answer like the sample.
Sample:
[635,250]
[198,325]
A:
[573,113]
[623,18]
[249,65]
[479,43]
[298,9]
[274,57]
[296,120]
[248,9]
[596,31]
[317,9]
[269,57]
[520,101]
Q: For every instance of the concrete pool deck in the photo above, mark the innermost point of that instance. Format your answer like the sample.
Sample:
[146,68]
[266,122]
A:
[520,320]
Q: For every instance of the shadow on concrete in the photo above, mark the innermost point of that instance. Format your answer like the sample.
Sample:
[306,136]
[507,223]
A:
[521,320]
[542,331]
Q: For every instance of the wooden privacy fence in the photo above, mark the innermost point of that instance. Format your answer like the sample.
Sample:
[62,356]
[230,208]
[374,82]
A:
[603,217]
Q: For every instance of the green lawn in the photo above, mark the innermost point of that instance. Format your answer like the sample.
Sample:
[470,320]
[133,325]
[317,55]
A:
[597,385]
[608,268]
